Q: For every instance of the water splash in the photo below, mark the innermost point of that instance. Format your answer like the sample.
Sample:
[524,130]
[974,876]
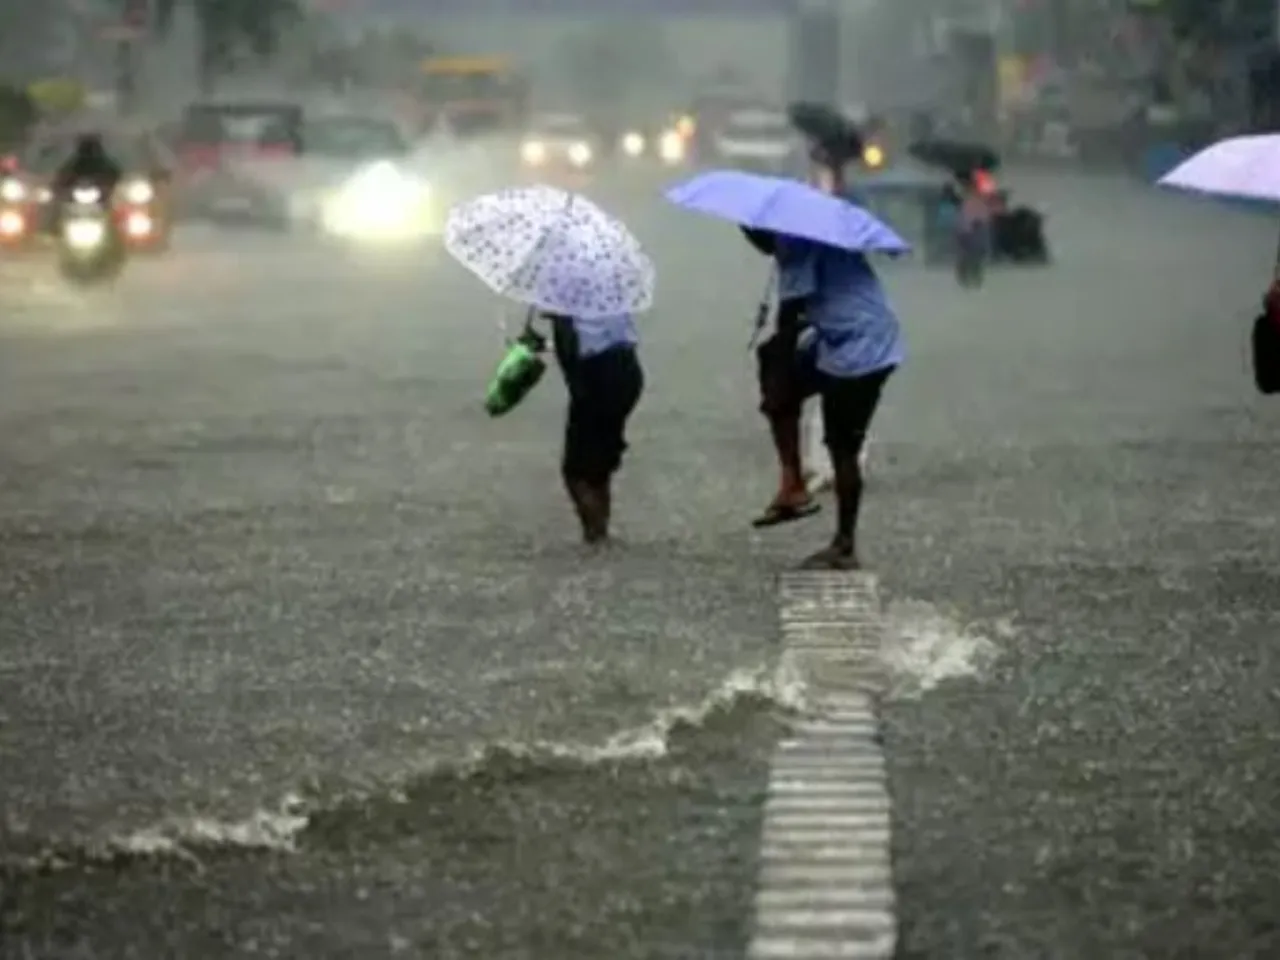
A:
[924,648]
[779,689]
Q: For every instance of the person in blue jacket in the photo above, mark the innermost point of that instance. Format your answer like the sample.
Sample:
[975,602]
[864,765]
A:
[838,338]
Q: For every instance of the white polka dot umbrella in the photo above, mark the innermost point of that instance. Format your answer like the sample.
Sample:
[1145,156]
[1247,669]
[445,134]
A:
[553,250]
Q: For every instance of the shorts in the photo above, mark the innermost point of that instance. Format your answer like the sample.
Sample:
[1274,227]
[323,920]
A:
[788,378]
[603,391]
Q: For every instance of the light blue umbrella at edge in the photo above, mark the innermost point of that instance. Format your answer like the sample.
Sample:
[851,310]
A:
[787,207]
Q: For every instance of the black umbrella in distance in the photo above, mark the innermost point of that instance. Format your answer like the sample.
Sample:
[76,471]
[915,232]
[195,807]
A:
[955,156]
[838,138]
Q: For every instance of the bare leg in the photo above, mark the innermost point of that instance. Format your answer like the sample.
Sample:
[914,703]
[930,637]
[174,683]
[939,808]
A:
[821,473]
[574,489]
[792,501]
[596,504]
[786,443]
[842,553]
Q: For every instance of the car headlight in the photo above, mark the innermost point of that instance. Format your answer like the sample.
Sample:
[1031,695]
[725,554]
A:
[633,144]
[533,152]
[138,192]
[671,147]
[580,154]
[378,201]
[13,191]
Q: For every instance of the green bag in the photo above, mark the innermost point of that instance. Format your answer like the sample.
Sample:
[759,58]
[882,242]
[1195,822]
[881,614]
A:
[517,374]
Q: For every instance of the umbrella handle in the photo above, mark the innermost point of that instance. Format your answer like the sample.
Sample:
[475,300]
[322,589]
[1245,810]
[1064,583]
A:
[763,309]
[530,337]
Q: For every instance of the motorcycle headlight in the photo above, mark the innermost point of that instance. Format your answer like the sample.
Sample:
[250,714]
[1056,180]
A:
[579,154]
[873,156]
[13,191]
[12,224]
[533,152]
[85,234]
[86,195]
[138,192]
[633,144]
[671,148]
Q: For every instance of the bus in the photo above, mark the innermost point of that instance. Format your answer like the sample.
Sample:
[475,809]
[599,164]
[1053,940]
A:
[473,95]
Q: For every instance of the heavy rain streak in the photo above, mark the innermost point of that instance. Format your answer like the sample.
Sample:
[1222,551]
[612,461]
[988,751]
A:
[639,479]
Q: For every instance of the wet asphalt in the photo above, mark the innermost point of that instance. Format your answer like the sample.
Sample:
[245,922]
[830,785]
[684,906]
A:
[259,540]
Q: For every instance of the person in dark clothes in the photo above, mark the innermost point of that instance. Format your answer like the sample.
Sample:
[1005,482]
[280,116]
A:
[89,163]
[602,372]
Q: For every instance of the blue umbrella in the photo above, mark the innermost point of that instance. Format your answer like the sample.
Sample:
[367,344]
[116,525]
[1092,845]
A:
[787,207]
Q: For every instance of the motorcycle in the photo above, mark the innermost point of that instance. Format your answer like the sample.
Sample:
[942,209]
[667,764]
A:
[90,249]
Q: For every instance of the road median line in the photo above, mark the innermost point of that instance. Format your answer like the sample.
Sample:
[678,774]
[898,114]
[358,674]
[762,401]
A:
[826,887]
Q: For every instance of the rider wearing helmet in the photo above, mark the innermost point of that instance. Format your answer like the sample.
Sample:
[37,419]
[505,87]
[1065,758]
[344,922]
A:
[88,163]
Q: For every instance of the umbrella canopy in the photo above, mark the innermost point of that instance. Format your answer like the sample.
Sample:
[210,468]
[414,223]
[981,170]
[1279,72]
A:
[786,207]
[830,130]
[1244,167]
[552,250]
[956,156]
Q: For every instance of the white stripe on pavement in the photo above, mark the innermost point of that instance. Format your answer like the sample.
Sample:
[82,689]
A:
[826,886]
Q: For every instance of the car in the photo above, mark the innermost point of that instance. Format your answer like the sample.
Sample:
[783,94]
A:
[222,145]
[357,178]
[143,205]
[665,141]
[761,140]
[560,142]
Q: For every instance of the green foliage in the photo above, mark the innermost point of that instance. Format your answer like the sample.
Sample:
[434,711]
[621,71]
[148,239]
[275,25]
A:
[226,25]
[17,114]
[1214,20]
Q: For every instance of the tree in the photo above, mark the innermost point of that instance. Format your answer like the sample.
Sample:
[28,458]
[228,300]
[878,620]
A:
[228,26]
[1214,20]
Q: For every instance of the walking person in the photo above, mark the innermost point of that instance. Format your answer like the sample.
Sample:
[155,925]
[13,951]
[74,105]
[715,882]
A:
[580,269]
[600,363]
[836,337]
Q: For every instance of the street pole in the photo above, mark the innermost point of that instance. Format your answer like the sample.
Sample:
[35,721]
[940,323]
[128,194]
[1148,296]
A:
[135,22]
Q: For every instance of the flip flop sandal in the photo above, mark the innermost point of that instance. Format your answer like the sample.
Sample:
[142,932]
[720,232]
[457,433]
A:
[777,514]
[829,559]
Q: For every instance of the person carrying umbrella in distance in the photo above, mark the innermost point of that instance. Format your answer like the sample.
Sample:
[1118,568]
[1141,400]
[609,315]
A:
[583,272]
[837,337]
[972,166]
[834,144]
[1244,168]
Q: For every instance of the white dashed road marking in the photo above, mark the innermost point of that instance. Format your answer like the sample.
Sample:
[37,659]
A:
[826,883]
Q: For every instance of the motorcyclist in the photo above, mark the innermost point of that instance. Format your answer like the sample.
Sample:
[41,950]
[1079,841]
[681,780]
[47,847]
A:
[89,163]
